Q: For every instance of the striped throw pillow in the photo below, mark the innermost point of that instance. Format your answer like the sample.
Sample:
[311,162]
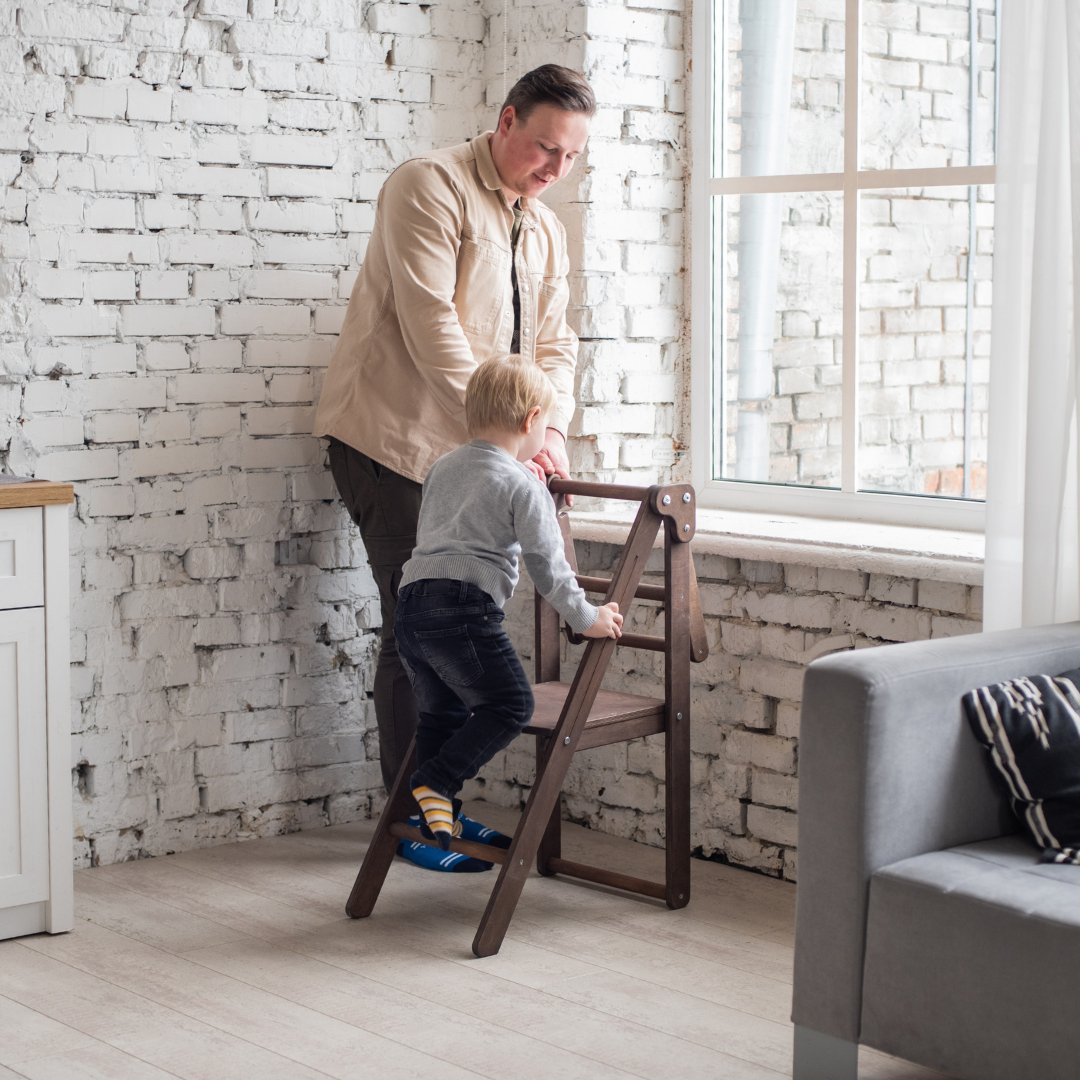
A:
[1031,727]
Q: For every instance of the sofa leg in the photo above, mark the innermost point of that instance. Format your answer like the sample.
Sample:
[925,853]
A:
[824,1057]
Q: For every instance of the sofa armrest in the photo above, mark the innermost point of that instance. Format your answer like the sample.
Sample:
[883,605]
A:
[888,769]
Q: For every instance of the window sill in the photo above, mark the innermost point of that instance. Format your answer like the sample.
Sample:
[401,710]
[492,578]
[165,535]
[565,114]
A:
[896,550]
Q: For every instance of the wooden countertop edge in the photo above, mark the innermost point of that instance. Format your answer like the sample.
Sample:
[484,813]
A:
[35,493]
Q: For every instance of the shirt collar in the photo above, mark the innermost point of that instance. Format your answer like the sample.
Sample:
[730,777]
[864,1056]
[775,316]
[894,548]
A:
[485,166]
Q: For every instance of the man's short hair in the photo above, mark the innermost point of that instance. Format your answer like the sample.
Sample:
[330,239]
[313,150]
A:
[501,392]
[551,84]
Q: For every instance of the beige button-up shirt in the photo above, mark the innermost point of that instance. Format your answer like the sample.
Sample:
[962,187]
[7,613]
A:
[434,300]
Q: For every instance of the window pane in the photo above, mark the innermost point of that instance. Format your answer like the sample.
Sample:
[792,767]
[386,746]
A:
[916,89]
[779,342]
[924,346]
[781,105]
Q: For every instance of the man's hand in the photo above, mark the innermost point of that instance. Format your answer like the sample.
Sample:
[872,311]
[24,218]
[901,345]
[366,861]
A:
[536,470]
[608,623]
[552,460]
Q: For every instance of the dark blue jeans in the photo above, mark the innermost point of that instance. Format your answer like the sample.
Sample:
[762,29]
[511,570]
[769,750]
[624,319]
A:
[472,695]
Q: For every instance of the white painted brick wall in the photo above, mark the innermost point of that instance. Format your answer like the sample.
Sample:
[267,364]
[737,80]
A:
[179,229]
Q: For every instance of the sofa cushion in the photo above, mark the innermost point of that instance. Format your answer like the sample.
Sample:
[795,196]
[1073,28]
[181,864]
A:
[1031,727]
[972,960]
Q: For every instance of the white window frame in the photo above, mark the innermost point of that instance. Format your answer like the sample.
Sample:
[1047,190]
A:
[845,502]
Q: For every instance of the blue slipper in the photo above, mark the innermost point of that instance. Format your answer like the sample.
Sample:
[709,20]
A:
[481,834]
[432,858]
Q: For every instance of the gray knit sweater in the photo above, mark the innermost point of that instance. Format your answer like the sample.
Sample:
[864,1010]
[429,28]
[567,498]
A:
[481,510]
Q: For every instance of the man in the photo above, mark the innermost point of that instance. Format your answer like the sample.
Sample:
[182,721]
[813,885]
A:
[464,263]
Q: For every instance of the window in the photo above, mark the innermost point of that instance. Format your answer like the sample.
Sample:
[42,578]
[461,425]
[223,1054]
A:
[842,248]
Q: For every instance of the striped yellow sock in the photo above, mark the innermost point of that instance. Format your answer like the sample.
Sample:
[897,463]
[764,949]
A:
[438,812]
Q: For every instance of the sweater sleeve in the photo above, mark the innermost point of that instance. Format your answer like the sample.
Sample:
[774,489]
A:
[542,552]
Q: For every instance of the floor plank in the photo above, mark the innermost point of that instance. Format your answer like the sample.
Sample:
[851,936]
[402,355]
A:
[29,1034]
[92,1063]
[168,1042]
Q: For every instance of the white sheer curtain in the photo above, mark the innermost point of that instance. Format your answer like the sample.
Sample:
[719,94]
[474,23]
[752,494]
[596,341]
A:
[1032,558]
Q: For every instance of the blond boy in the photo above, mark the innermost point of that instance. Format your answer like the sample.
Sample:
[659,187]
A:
[481,510]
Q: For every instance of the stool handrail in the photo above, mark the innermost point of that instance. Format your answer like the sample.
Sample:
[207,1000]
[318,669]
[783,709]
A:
[676,503]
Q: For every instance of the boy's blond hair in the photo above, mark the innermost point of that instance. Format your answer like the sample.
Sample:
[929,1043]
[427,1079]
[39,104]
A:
[501,392]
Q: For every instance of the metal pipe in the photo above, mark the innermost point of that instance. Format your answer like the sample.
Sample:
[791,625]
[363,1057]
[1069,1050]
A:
[973,203]
[768,44]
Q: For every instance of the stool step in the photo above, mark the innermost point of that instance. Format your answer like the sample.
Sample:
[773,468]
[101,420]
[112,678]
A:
[485,852]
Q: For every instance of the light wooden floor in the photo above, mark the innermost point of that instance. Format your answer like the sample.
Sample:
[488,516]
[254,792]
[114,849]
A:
[239,961]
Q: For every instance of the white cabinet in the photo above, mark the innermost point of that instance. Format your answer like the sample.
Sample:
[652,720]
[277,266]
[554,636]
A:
[35,711]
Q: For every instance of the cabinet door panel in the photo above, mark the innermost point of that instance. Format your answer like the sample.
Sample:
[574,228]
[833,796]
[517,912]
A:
[24,810]
[21,576]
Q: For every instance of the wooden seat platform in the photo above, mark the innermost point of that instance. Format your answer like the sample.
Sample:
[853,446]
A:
[609,720]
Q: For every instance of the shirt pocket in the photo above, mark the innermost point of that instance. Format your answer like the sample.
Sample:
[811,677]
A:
[483,281]
[549,297]
[551,289]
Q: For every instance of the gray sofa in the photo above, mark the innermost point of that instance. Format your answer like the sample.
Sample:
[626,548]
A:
[926,926]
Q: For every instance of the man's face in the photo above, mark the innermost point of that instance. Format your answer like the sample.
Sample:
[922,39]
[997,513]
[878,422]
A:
[531,154]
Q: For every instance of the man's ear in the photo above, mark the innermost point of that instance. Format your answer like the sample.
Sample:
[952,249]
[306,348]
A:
[507,118]
[531,417]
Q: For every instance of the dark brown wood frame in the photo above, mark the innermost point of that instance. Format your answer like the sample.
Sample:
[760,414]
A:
[580,715]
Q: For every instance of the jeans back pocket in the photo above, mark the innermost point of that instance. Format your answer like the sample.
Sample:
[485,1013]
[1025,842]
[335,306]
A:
[450,653]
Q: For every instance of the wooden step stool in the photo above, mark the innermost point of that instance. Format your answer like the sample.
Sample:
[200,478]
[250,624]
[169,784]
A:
[580,715]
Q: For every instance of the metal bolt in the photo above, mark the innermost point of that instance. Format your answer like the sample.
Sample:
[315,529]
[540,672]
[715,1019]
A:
[686,496]
[566,741]
[666,500]
[686,528]
[521,862]
[678,716]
